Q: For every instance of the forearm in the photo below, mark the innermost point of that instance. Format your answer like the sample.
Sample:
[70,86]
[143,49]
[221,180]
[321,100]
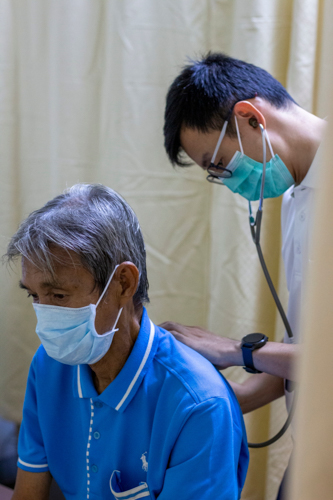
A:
[32,486]
[257,391]
[274,358]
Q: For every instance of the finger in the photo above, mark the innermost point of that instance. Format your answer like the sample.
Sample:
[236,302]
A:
[177,335]
[183,339]
[167,325]
[174,327]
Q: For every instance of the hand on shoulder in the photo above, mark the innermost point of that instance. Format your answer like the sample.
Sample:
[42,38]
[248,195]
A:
[220,351]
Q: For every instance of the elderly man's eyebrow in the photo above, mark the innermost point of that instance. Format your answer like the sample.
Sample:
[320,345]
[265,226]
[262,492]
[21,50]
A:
[46,284]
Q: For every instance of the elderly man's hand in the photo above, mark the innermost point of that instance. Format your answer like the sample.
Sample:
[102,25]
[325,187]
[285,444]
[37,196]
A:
[220,351]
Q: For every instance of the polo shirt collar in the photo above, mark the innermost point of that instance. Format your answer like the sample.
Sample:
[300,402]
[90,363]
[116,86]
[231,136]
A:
[121,390]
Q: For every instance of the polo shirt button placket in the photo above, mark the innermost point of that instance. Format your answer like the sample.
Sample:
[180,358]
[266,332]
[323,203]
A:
[93,435]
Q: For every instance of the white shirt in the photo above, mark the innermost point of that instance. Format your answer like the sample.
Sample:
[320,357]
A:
[296,219]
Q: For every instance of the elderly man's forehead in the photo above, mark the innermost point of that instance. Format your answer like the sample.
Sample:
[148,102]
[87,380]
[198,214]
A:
[57,259]
[64,256]
[65,272]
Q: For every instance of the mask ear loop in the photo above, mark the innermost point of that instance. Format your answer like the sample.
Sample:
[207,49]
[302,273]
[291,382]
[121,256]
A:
[269,144]
[255,224]
[115,323]
[238,135]
[99,300]
[106,286]
[264,136]
[222,134]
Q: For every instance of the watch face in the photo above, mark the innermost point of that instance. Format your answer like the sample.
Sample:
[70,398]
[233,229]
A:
[253,338]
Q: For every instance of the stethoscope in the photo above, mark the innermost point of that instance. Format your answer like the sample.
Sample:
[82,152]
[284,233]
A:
[216,175]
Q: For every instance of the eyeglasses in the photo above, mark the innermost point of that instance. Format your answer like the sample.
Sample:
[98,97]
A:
[216,172]
[217,177]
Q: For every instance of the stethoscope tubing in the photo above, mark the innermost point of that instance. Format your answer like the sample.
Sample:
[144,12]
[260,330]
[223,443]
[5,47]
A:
[255,226]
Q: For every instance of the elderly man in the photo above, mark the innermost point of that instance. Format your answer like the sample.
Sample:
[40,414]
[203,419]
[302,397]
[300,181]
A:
[115,407]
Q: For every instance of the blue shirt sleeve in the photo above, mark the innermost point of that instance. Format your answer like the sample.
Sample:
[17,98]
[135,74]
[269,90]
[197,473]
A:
[210,457]
[32,456]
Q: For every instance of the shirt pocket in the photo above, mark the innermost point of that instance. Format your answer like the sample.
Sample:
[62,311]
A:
[140,491]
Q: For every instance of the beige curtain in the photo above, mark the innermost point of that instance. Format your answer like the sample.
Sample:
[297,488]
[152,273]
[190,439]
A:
[83,86]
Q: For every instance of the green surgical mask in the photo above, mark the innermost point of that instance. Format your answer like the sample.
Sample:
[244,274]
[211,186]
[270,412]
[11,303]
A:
[247,174]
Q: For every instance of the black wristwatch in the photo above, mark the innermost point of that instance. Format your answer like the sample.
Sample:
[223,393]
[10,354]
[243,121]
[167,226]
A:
[250,343]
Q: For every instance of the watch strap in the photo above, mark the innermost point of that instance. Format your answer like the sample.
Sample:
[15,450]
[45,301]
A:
[248,360]
[251,342]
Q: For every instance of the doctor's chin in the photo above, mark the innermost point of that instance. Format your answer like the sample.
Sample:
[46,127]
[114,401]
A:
[115,406]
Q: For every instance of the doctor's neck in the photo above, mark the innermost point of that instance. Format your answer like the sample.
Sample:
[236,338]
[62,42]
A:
[296,135]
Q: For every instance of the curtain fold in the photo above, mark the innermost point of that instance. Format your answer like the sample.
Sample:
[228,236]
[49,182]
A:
[83,85]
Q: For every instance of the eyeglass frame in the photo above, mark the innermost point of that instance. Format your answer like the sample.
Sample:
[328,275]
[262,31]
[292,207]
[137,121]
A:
[212,177]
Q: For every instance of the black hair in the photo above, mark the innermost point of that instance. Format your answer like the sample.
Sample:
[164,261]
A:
[203,95]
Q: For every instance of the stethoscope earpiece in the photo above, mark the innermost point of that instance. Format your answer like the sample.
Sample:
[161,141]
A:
[253,122]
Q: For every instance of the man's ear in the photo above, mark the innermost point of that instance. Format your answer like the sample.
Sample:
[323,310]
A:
[127,275]
[247,111]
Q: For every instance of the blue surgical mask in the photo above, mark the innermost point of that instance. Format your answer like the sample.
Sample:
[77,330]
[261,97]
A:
[247,174]
[69,335]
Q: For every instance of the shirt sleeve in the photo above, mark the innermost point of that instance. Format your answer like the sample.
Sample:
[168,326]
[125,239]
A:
[210,456]
[32,456]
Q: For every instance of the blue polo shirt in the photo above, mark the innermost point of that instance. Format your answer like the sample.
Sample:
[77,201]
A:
[168,427]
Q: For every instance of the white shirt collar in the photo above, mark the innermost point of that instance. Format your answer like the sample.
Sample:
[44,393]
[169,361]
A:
[311,180]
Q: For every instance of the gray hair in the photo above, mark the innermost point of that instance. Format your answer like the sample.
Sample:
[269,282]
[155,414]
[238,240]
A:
[93,221]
